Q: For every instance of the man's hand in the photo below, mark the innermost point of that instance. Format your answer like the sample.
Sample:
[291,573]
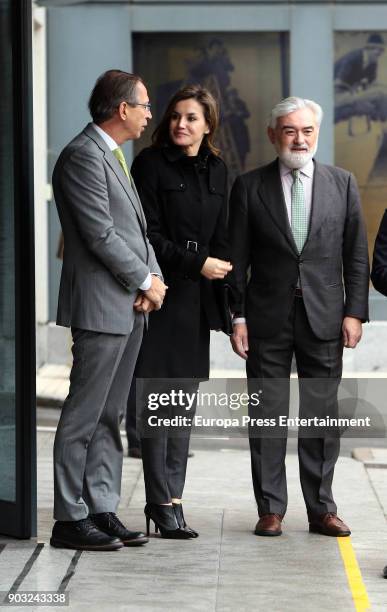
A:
[214,268]
[142,304]
[239,340]
[352,330]
[156,292]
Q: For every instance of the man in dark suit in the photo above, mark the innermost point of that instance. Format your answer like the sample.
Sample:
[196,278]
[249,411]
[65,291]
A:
[110,278]
[301,264]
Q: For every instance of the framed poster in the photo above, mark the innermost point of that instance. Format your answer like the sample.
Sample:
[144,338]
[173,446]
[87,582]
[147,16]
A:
[247,72]
[360,80]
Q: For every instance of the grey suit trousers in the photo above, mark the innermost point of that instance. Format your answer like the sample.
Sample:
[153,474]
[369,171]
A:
[88,450]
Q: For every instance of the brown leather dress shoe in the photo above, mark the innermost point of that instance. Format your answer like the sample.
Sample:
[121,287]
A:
[269,525]
[329,524]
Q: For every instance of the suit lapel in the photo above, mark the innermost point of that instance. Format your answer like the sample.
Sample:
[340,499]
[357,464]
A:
[322,198]
[117,169]
[139,202]
[119,172]
[272,195]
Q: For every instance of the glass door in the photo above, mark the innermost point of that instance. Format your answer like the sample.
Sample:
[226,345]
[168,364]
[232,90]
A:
[17,313]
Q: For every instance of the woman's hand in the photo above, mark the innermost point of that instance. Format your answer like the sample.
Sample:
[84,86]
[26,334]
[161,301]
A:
[214,268]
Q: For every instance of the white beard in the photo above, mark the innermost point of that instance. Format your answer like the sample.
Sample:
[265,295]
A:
[295,160]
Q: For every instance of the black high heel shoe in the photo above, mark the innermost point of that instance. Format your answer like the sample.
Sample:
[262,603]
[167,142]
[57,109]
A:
[165,521]
[178,509]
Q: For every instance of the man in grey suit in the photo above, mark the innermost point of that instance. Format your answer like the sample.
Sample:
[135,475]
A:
[110,281]
[296,228]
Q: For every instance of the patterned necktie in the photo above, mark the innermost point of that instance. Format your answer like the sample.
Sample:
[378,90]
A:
[299,217]
[121,158]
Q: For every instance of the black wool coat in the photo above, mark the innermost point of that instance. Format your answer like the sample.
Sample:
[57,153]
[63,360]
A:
[184,199]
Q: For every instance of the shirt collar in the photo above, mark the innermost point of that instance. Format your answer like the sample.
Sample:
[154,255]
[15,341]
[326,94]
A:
[108,139]
[307,170]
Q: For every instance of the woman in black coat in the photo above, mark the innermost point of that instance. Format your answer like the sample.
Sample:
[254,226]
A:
[182,183]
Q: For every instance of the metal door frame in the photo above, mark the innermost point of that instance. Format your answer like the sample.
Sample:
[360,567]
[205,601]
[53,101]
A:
[19,519]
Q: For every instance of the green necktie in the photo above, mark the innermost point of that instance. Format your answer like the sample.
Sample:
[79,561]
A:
[299,217]
[121,158]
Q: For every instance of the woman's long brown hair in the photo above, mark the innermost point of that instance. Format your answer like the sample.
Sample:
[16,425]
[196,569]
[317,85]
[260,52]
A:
[204,97]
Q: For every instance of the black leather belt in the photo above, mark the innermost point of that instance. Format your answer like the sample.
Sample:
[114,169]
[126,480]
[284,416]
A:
[298,292]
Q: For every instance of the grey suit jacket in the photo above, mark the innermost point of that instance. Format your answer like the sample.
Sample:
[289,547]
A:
[332,267]
[107,255]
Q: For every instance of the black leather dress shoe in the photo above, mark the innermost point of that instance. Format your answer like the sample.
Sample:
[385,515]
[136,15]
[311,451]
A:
[82,535]
[111,524]
[385,572]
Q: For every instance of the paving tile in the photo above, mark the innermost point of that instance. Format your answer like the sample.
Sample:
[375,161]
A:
[12,561]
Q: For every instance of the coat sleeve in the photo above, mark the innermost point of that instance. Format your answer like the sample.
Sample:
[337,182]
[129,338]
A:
[240,240]
[355,257]
[82,180]
[379,262]
[173,258]
[153,263]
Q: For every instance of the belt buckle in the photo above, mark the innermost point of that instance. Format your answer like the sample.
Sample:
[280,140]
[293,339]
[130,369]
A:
[192,246]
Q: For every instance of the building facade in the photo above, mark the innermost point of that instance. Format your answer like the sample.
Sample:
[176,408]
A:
[251,54]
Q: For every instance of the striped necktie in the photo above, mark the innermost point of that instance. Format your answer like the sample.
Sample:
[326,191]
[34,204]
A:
[299,217]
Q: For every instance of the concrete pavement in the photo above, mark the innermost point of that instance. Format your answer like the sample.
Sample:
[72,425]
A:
[227,567]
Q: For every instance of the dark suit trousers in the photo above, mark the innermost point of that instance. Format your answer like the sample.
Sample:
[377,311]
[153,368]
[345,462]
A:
[319,367]
[165,449]
[131,420]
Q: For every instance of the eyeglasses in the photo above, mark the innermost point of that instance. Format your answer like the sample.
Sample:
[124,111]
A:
[147,106]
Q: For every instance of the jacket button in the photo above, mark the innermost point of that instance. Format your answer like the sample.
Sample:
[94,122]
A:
[212,189]
[182,186]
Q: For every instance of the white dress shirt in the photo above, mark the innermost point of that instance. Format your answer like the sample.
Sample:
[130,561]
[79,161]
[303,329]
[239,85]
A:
[108,139]
[306,177]
[113,145]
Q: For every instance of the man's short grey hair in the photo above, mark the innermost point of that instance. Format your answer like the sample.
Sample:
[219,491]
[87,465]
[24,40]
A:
[289,105]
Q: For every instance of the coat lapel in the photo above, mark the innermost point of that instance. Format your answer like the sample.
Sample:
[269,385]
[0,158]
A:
[117,169]
[272,195]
